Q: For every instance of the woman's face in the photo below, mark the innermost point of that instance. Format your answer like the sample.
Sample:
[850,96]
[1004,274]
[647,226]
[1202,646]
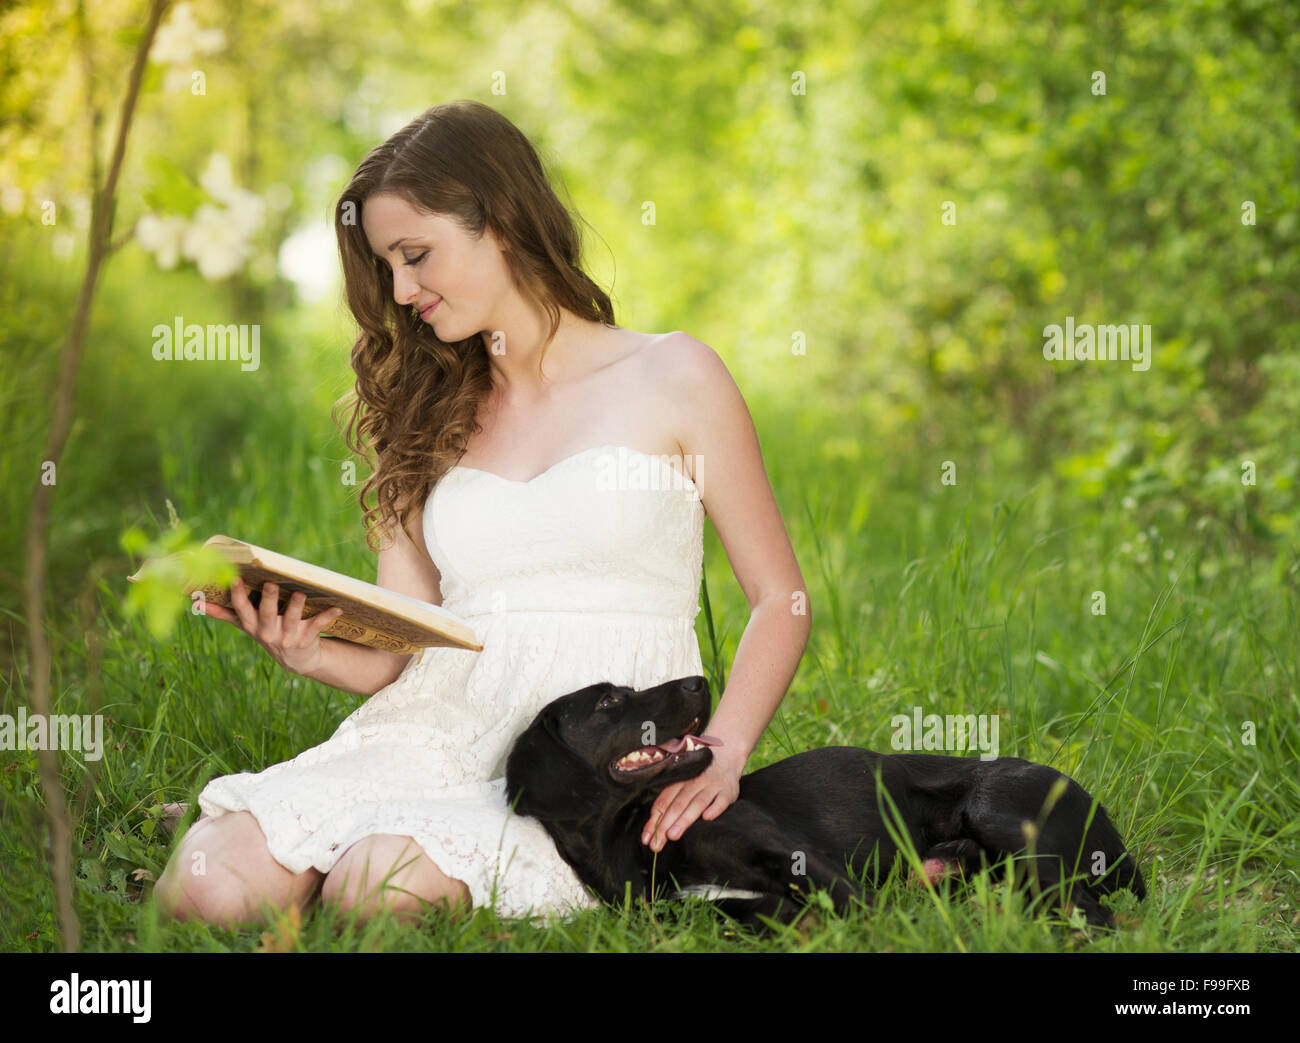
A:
[434,261]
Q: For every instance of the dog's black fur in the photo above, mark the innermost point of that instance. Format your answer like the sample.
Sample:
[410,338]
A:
[817,812]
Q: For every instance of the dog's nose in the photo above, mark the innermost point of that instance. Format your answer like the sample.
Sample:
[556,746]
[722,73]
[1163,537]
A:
[694,684]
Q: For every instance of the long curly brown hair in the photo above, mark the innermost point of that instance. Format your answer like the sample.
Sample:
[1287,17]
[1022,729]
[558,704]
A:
[416,398]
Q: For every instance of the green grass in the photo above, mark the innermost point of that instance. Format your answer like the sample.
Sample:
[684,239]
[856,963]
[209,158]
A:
[955,599]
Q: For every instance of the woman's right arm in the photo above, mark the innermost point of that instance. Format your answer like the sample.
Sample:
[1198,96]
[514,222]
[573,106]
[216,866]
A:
[296,644]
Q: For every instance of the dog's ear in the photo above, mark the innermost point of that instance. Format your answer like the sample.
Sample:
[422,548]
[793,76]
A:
[547,780]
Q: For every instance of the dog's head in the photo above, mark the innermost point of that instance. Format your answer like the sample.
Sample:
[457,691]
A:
[603,746]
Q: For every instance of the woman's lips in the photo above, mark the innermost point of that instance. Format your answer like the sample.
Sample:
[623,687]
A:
[429,310]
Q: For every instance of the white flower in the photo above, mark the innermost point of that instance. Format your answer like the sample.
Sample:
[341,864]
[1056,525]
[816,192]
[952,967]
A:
[246,209]
[218,237]
[215,243]
[180,39]
[163,236]
[217,179]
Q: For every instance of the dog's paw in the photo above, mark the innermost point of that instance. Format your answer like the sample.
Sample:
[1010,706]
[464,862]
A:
[933,871]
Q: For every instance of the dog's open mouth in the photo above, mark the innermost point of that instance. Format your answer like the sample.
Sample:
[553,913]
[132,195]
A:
[649,758]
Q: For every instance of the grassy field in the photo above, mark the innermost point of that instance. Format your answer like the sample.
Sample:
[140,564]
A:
[973,598]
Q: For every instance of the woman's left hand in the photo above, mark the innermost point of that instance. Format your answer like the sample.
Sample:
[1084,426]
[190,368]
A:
[709,794]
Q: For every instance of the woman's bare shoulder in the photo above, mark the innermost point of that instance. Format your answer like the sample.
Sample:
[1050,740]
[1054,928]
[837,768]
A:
[678,364]
[660,369]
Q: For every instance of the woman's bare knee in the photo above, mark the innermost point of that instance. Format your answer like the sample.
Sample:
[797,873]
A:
[222,872]
[393,873]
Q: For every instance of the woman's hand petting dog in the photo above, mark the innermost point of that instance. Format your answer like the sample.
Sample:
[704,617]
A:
[707,795]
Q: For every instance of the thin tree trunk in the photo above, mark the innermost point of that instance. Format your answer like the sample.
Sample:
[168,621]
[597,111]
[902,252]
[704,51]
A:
[34,579]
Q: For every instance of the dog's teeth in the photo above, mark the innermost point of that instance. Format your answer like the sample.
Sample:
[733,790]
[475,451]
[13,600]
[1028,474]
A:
[641,758]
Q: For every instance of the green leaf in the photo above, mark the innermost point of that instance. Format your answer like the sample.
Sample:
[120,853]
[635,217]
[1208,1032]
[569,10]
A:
[171,190]
[173,564]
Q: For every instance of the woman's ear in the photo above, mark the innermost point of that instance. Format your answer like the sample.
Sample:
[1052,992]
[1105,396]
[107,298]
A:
[546,780]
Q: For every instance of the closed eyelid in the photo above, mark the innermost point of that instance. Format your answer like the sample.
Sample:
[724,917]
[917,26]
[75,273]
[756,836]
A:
[405,260]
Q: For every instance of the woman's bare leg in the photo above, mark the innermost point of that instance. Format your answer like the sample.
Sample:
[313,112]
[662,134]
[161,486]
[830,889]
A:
[390,872]
[223,873]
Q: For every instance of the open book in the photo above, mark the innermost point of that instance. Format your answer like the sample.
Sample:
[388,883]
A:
[372,615]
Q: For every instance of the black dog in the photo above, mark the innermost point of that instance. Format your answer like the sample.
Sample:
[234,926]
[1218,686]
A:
[588,768]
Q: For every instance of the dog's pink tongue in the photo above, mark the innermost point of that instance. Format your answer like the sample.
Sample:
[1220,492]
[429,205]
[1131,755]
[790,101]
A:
[673,745]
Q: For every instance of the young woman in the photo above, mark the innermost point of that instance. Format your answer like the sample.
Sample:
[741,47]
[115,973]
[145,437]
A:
[542,473]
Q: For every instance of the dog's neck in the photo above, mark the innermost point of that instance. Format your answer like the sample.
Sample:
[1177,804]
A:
[606,850]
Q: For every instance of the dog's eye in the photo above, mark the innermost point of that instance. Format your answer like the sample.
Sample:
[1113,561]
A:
[610,702]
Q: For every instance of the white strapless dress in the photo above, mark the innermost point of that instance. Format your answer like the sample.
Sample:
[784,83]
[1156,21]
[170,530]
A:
[588,572]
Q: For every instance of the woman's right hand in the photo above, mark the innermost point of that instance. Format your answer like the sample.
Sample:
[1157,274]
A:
[293,642]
